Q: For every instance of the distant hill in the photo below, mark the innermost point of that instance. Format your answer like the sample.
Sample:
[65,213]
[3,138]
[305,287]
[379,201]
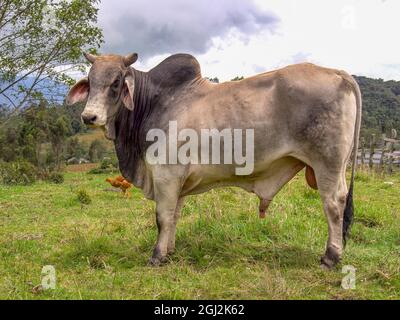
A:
[51,90]
[381,105]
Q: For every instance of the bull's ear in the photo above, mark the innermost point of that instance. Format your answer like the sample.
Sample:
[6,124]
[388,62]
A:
[130,59]
[90,57]
[79,92]
[128,90]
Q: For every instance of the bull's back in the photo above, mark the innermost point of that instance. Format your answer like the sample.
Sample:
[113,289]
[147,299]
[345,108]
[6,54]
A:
[297,108]
[298,103]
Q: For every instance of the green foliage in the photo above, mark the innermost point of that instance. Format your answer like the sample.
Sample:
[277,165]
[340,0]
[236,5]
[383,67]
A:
[39,135]
[56,177]
[97,170]
[237,78]
[83,197]
[107,165]
[381,106]
[36,36]
[20,172]
[74,148]
[97,150]
[58,133]
[215,80]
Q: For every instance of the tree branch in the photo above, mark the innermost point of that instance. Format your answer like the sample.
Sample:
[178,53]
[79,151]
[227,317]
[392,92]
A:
[17,14]
[9,99]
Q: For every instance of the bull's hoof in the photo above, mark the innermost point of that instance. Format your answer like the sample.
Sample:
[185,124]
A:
[324,267]
[330,259]
[157,261]
[327,264]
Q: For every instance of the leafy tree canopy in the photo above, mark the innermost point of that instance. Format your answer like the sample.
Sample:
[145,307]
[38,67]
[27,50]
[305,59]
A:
[41,42]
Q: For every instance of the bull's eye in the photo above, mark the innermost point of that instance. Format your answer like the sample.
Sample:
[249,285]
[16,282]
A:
[115,84]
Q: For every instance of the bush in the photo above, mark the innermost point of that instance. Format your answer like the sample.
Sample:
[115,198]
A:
[56,177]
[97,170]
[107,165]
[83,197]
[19,172]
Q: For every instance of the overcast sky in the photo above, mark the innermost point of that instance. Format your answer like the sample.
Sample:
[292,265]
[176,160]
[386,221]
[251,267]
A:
[239,37]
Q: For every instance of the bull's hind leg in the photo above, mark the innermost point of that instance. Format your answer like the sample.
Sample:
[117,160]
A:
[333,191]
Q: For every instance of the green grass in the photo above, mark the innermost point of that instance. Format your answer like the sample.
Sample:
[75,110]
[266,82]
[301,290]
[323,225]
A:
[224,251]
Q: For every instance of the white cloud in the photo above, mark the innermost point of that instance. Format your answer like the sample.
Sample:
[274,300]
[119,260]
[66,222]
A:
[158,27]
[355,35]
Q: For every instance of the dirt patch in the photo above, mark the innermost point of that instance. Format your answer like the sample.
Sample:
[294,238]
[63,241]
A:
[84,167]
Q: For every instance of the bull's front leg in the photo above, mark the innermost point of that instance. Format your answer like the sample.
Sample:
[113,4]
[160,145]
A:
[166,197]
[172,234]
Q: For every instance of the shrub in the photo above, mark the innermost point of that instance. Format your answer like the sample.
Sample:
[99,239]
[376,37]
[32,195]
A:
[83,197]
[107,165]
[56,177]
[97,170]
[19,172]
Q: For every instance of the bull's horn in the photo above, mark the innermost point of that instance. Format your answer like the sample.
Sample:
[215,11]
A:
[90,57]
[130,59]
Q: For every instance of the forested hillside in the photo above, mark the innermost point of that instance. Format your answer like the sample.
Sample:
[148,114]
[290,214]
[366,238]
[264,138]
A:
[381,105]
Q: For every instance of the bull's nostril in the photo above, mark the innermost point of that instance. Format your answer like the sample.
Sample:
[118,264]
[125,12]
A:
[89,119]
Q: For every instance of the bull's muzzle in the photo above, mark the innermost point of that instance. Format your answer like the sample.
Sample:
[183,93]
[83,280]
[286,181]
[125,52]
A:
[89,119]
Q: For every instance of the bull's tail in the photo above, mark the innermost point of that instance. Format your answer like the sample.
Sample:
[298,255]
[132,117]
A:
[348,214]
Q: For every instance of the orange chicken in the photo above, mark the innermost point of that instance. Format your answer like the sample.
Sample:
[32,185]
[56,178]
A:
[120,183]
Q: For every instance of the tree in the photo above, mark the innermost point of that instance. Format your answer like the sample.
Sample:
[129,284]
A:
[8,141]
[41,41]
[74,148]
[41,134]
[59,131]
[215,79]
[237,78]
[97,150]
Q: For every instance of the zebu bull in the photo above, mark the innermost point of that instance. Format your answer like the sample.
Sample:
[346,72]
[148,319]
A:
[302,115]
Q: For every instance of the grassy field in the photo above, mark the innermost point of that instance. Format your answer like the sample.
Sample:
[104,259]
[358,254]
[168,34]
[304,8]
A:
[224,251]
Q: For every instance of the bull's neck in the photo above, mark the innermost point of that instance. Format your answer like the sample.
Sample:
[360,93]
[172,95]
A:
[130,126]
[143,92]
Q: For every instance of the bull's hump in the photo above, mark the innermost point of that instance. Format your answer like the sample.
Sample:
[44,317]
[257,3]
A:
[176,70]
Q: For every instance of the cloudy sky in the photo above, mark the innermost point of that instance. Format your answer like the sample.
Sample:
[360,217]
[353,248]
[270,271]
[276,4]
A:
[239,37]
